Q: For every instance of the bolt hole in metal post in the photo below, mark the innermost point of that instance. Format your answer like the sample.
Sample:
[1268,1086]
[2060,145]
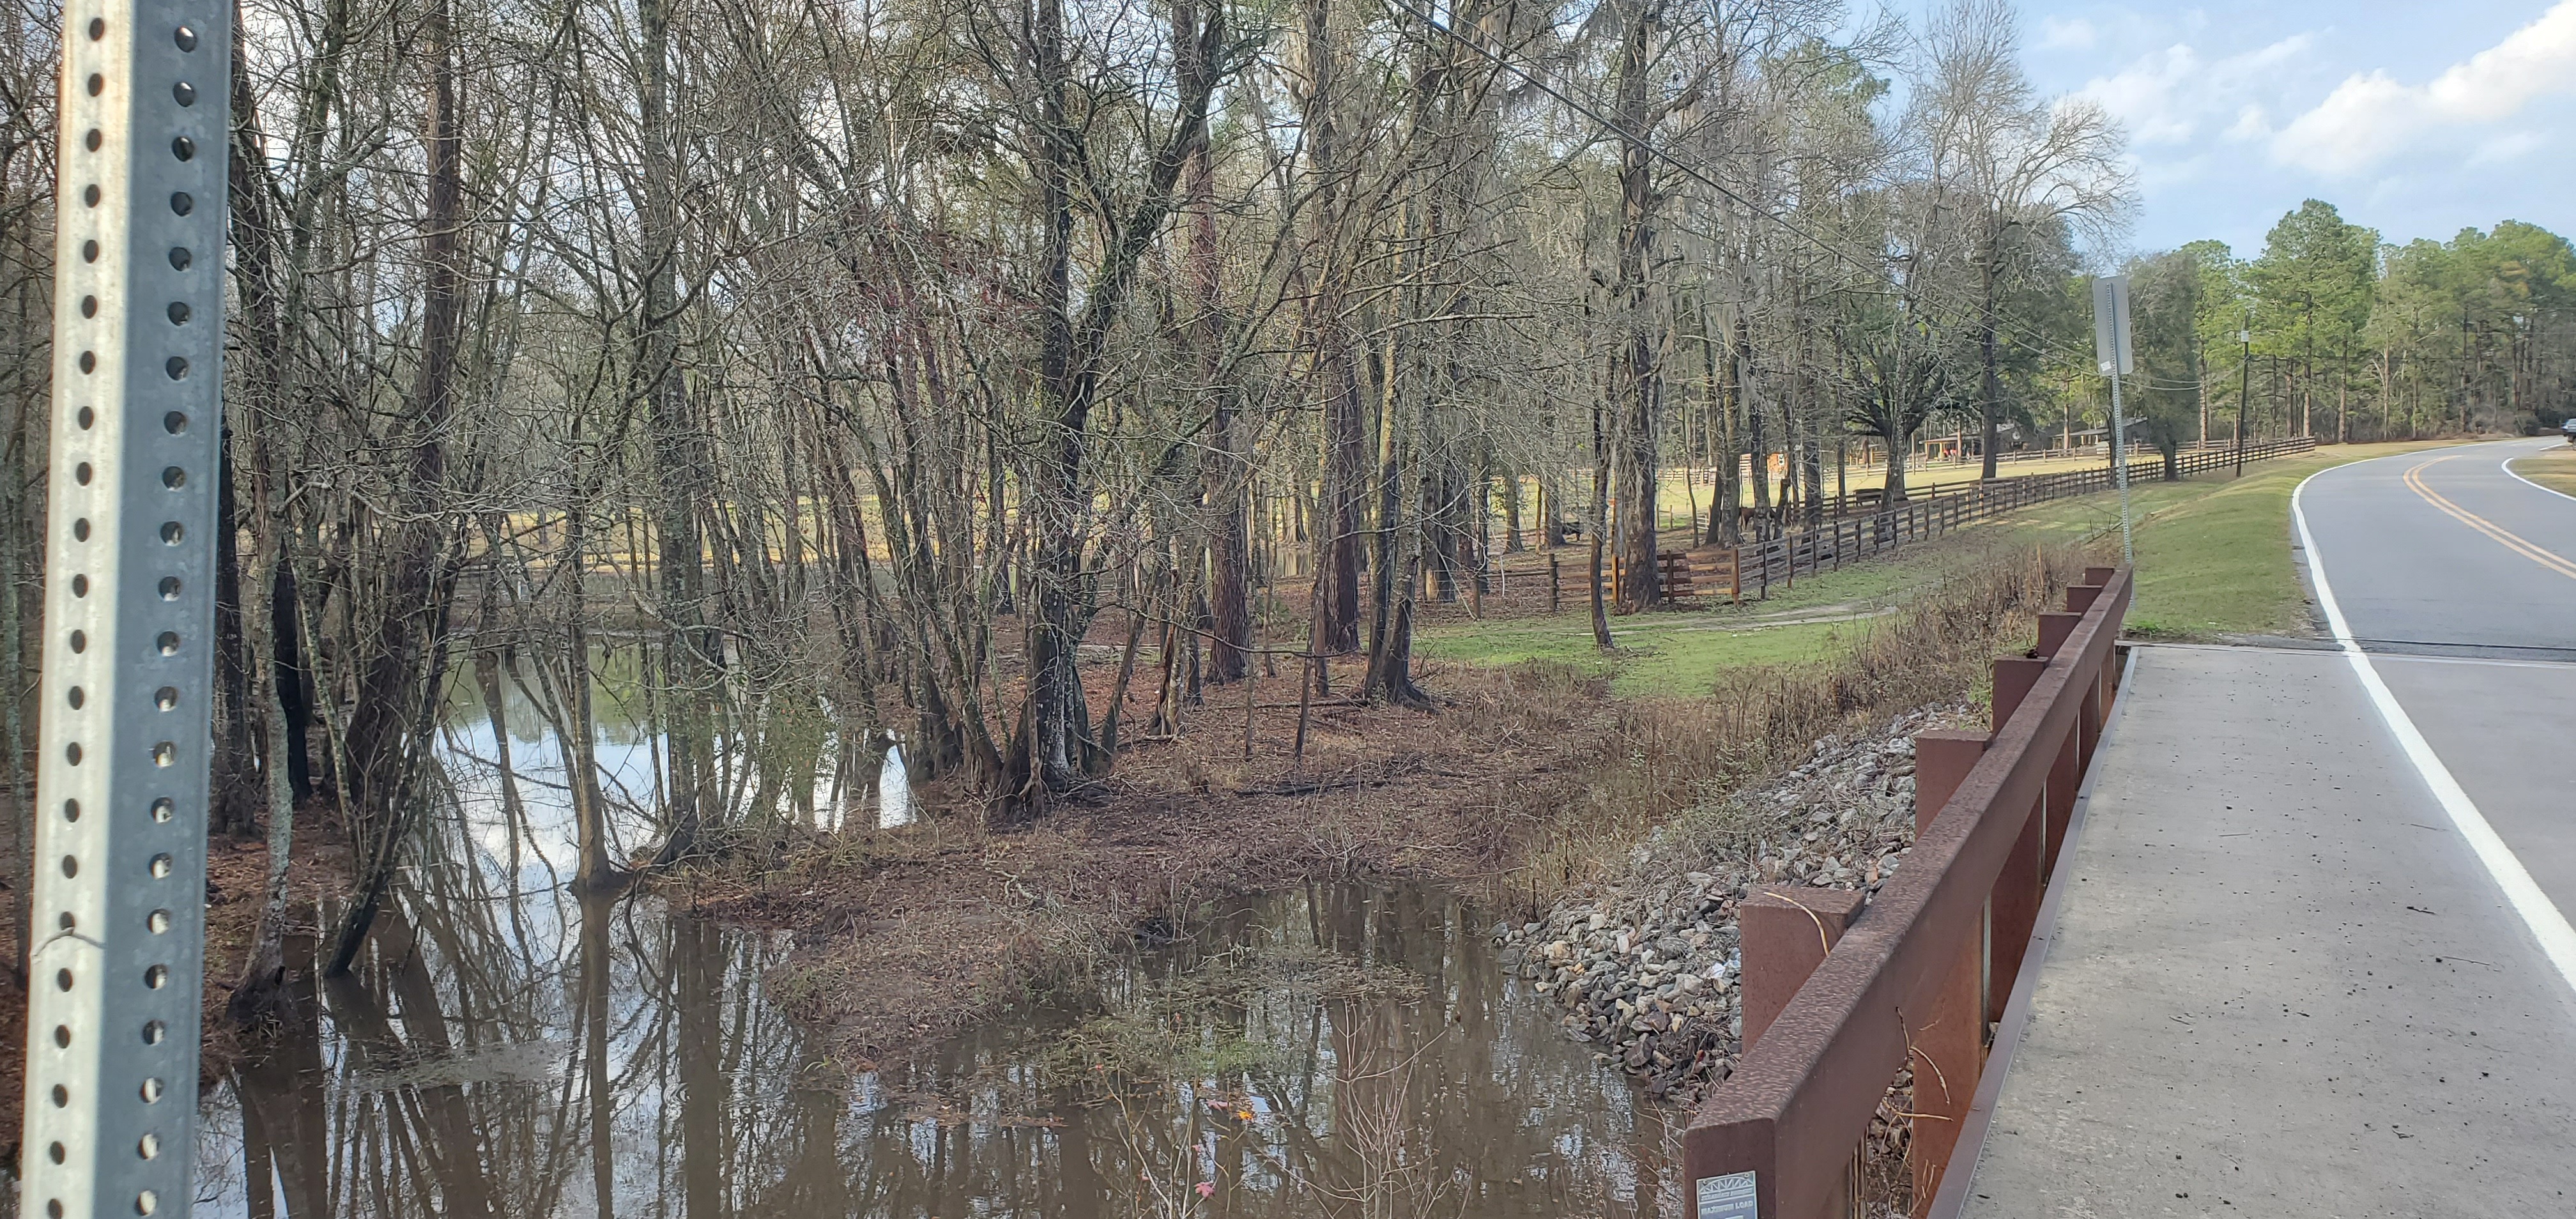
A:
[137,332]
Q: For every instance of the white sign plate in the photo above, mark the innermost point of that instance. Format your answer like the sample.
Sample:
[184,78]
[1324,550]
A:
[1727,1197]
[2111,325]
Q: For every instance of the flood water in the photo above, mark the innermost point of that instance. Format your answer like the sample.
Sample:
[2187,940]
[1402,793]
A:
[508,1050]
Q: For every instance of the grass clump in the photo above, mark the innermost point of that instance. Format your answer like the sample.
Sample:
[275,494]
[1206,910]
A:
[2551,468]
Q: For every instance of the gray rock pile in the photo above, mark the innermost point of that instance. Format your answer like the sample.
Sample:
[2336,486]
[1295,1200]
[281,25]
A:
[1646,963]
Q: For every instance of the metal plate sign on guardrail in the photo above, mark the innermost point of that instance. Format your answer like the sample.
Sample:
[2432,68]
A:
[118,903]
[1727,1197]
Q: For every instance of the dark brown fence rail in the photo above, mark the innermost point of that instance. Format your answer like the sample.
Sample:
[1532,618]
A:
[1907,980]
[2143,463]
[1738,572]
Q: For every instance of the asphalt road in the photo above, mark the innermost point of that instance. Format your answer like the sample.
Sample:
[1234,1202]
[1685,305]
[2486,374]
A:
[2443,553]
[2460,580]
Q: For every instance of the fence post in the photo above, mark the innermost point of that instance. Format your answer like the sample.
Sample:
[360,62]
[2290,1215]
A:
[1948,1037]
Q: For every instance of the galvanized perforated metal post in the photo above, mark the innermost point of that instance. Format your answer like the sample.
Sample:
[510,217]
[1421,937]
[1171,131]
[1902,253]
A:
[119,895]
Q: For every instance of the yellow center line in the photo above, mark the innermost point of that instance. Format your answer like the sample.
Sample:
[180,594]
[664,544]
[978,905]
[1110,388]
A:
[2415,482]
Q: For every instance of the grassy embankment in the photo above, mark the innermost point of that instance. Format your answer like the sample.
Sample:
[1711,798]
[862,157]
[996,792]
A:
[2213,554]
[2551,468]
[1680,654]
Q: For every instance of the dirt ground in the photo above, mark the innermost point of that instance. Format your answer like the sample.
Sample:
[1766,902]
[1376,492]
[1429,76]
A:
[1519,781]
[906,935]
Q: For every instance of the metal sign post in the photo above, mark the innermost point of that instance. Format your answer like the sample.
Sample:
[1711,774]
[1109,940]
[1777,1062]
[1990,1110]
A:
[119,894]
[2111,350]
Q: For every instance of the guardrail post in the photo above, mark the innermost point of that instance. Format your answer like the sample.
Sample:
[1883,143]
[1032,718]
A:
[2106,683]
[2088,720]
[2068,773]
[2054,627]
[1784,932]
[2014,906]
[1948,1038]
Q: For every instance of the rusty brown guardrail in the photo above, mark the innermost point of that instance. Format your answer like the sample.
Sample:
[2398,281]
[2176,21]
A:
[1908,979]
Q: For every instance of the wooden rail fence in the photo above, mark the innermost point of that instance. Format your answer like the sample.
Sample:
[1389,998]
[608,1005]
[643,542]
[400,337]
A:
[1910,979]
[1737,572]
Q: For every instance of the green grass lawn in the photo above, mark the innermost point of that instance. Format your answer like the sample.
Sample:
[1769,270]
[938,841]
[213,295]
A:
[1678,654]
[2213,552]
[2213,560]
[2551,468]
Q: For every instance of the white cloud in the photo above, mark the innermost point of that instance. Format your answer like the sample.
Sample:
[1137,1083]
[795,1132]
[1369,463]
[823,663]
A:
[2252,123]
[2173,96]
[2511,146]
[2371,117]
[2076,34]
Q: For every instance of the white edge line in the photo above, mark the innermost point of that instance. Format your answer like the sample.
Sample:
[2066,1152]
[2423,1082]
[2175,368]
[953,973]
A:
[1951,1200]
[2547,924]
[2507,466]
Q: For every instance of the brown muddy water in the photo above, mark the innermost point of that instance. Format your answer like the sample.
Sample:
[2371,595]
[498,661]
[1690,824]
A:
[510,1050]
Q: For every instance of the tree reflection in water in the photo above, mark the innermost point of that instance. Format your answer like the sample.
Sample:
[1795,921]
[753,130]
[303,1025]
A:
[506,1049]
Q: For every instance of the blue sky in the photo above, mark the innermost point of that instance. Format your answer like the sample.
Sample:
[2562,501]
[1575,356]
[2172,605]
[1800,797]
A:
[2417,119]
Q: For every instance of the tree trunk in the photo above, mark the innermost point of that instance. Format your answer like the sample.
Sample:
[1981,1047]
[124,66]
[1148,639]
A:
[1899,448]
[680,458]
[1222,474]
[1757,447]
[1054,747]
[264,969]
[397,698]
[1634,376]
[1333,365]
[1597,527]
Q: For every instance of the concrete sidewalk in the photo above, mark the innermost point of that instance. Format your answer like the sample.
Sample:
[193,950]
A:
[2279,984]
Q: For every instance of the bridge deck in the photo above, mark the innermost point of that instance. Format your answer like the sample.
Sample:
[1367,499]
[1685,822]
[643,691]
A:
[2279,982]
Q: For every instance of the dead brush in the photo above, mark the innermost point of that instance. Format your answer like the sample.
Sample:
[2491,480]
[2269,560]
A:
[1665,758]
